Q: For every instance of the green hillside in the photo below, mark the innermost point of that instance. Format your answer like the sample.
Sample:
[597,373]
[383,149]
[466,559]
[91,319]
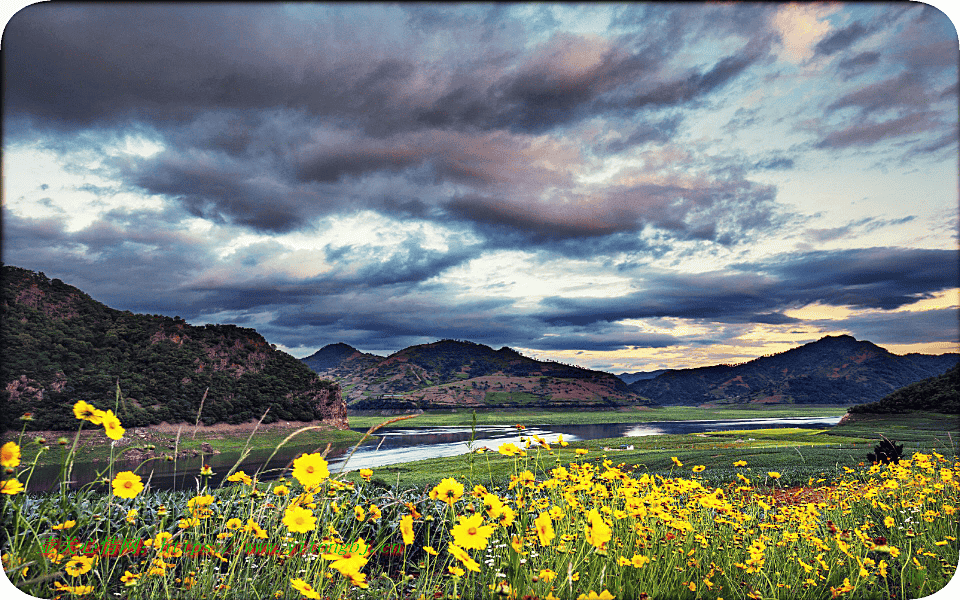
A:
[938,394]
[60,346]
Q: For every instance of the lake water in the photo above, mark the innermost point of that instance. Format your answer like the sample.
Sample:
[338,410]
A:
[408,444]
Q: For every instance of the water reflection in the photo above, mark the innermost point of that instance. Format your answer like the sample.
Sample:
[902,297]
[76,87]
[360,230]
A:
[405,445]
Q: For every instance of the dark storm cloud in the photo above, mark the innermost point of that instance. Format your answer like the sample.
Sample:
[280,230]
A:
[272,136]
[715,210]
[880,278]
[604,341]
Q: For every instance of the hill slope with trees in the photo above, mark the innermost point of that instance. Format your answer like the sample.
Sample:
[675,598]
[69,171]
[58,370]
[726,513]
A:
[60,346]
[454,373]
[937,394]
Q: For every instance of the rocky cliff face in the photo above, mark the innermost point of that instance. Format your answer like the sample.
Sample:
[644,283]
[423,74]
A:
[329,405]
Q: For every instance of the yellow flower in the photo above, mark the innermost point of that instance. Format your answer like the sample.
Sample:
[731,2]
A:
[375,512]
[406,529]
[11,487]
[493,505]
[604,595]
[304,588]
[86,412]
[461,555]
[10,455]
[448,490]
[64,525]
[560,440]
[310,470]
[253,527]
[358,579]
[546,575]
[299,519]
[638,561]
[129,577]
[111,425]
[131,516]
[773,474]
[471,533]
[127,484]
[888,521]
[79,565]
[581,451]
[455,571]
[598,533]
[509,449]
[359,513]
[281,490]
[699,469]
[430,550]
[77,590]
[676,461]
[507,515]
[740,463]
[545,529]
[200,506]
[233,524]
[366,474]
[349,561]
[240,476]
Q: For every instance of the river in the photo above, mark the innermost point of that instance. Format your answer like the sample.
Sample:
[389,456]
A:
[409,444]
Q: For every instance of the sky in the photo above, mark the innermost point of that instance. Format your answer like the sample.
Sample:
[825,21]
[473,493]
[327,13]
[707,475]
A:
[625,187]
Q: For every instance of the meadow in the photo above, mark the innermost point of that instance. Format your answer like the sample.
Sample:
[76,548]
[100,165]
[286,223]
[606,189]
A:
[687,516]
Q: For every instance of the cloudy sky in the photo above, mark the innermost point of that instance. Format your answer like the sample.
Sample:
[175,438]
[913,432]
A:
[623,186]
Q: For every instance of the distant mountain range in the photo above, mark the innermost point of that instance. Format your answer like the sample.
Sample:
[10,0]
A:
[451,373]
[832,370]
[629,378]
[60,346]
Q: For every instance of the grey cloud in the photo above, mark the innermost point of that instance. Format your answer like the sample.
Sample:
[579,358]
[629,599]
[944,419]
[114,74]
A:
[871,132]
[880,278]
[907,327]
[905,90]
[841,39]
[857,64]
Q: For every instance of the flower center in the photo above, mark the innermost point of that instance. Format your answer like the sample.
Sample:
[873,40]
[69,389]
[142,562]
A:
[472,531]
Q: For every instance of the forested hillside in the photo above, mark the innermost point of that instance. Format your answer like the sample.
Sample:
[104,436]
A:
[60,345]
[937,394]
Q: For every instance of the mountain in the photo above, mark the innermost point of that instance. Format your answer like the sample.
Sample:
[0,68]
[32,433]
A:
[937,394]
[339,360]
[629,378]
[60,346]
[452,373]
[832,370]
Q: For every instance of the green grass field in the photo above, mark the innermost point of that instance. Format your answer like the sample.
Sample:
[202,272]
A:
[573,417]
